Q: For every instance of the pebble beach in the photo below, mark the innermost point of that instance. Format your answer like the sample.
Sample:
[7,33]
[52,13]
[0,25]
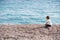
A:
[29,32]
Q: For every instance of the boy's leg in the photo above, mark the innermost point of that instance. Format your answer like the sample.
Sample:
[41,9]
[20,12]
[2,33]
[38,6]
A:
[46,26]
[49,27]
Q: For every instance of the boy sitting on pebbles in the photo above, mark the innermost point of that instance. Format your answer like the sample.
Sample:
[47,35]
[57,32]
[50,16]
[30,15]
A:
[48,23]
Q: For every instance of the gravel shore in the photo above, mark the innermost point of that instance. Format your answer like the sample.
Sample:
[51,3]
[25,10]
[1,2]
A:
[29,32]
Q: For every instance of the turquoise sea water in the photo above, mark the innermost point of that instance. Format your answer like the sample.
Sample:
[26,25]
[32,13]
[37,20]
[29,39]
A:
[29,11]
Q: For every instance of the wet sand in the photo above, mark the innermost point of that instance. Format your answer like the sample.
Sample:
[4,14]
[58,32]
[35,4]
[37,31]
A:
[29,32]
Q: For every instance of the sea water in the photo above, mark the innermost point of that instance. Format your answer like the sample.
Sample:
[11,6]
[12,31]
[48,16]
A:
[29,11]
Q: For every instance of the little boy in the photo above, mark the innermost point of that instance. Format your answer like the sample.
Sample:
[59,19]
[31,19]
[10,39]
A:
[48,22]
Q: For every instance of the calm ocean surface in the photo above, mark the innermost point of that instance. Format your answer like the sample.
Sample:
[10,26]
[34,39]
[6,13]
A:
[29,11]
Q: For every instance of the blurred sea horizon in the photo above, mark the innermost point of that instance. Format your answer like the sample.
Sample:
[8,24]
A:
[29,11]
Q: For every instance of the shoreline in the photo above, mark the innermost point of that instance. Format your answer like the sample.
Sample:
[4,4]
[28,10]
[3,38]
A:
[27,24]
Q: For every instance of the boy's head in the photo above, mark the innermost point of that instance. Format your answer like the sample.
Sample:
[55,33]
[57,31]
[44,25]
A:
[47,17]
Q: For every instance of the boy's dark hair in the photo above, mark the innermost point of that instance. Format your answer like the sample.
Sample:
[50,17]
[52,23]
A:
[47,17]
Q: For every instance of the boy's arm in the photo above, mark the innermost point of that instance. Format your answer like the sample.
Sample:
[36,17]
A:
[47,22]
